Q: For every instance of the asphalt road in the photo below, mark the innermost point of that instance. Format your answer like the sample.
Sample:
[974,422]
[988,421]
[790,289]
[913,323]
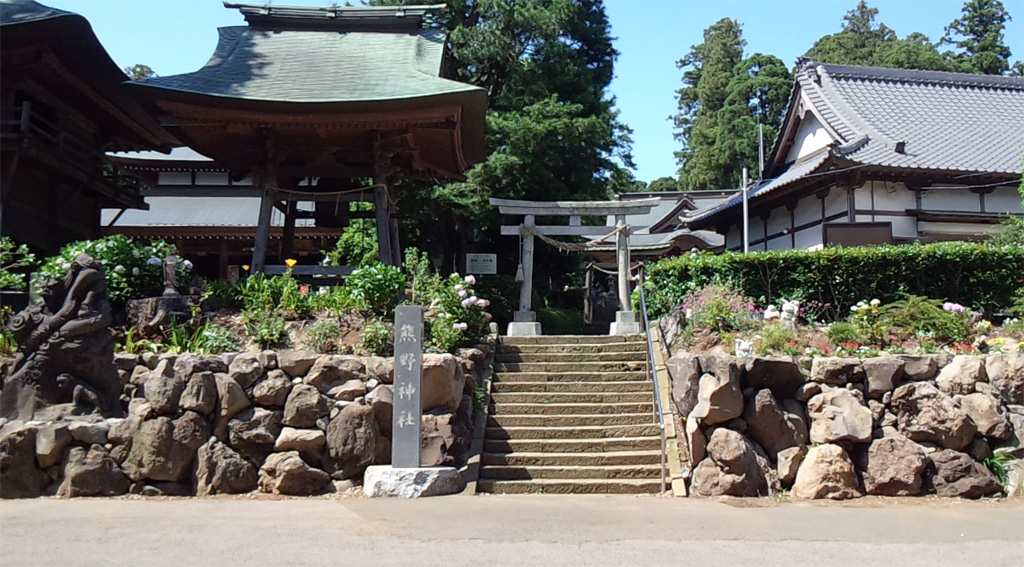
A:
[535,530]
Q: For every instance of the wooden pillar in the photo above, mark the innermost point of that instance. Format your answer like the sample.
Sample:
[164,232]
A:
[259,249]
[382,210]
[526,290]
[622,258]
[396,248]
[223,261]
[288,234]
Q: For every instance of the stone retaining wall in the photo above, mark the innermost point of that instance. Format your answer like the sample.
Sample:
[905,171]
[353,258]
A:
[840,428]
[287,422]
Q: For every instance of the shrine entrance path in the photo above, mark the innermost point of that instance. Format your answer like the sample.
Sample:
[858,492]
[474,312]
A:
[549,530]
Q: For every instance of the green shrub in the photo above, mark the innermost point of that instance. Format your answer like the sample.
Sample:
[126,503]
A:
[975,275]
[265,328]
[841,332]
[14,260]
[132,269]
[776,338]
[1014,327]
[322,335]
[922,316]
[561,321]
[377,287]
[378,338]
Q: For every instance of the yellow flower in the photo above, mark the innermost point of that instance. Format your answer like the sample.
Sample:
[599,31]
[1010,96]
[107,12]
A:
[290,262]
[245,267]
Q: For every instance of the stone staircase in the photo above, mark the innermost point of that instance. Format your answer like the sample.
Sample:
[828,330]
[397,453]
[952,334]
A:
[571,414]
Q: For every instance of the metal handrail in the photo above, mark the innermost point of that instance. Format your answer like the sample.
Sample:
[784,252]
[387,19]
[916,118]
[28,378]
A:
[653,372]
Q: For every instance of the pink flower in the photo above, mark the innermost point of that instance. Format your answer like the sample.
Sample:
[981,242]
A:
[470,280]
[483,303]
[462,293]
[459,287]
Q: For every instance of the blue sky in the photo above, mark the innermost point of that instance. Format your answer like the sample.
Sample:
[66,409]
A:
[177,36]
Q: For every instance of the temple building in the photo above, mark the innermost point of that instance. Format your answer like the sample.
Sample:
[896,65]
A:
[62,106]
[870,156]
[318,107]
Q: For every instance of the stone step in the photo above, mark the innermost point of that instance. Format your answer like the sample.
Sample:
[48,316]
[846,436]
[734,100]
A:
[575,432]
[538,387]
[583,420]
[521,459]
[570,377]
[571,472]
[560,409]
[584,445]
[574,348]
[573,357]
[564,367]
[570,397]
[617,486]
[573,339]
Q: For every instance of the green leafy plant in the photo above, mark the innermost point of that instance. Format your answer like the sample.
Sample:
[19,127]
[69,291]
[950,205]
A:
[322,335]
[8,344]
[132,345]
[919,315]
[378,338]
[377,287]
[14,260]
[211,338]
[997,464]
[417,267]
[776,338]
[265,328]
[479,398]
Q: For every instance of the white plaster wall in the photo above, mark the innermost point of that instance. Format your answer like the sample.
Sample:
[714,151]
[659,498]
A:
[1003,200]
[810,136]
[809,237]
[211,178]
[174,178]
[893,197]
[808,210]
[950,200]
[779,243]
[862,196]
[835,201]
[734,238]
[778,220]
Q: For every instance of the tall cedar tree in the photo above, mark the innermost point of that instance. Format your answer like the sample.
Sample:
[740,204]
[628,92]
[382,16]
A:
[862,41]
[552,129]
[724,98]
[978,38]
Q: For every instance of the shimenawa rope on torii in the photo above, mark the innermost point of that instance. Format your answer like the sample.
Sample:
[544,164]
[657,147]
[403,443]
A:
[563,246]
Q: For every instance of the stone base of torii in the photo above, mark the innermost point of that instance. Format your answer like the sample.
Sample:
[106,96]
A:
[524,323]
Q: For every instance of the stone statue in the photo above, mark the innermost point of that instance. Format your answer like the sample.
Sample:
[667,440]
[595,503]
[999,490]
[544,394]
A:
[170,269]
[65,361]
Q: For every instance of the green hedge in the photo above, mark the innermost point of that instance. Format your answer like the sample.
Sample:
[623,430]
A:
[978,276]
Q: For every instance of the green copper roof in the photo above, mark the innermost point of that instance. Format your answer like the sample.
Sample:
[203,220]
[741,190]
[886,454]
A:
[317,59]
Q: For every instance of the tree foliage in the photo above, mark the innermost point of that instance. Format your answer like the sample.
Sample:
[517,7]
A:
[552,129]
[139,71]
[723,99]
[978,37]
[863,41]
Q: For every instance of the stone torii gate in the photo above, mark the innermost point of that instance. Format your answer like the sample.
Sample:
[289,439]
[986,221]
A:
[525,319]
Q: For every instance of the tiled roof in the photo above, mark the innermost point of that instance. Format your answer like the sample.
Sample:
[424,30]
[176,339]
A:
[312,65]
[921,119]
[24,11]
[198,211]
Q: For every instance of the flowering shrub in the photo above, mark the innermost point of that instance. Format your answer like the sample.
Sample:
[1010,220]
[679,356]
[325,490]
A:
[133,269]
[718,307]
[457,315]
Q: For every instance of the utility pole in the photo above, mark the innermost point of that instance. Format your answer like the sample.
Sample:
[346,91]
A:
[746,213]
[760,150]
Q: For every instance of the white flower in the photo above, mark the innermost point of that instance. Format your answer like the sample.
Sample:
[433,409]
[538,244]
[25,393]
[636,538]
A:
[135,271]
[875,303]
[187,264]
[154,261]
[854,308]
[470,280]
[119,269]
